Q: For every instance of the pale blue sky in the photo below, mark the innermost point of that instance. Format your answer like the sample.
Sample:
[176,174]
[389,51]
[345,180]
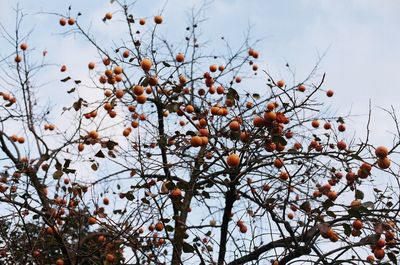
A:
[361,35]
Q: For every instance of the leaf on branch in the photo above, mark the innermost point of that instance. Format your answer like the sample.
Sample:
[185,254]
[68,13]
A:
[191,133]
[331,214]
[206,194]
[145,82]
[172,107]
[277,139]
[58,165]
[232,94]
[100,154]
[57,174]
[145,201]
[94,166]
[327,204]
[78,82]
[65,79]
[347,229]
[359,194]
[166,64]
[187,248]
[77,104]
[129,196]
[368,204]
[169,228]
[71,90]
[340,120]
[392,257]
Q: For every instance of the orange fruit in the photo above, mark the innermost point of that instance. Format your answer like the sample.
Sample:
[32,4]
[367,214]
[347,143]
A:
[269,116]
[63,22]
[278,163]
[23,46]
[176,192]
[196,141]
[118,70]
[141,99]
[158,19]
[301,88]
[315,123]
[71,21]
[234,126]
[280,83]
[384,163]
[108,15]
[258,121]
[379,253]
[180,57]
[138,90]
[233,160]
[146,64]
[91,220]
[159,226]
[381,152]
[110,258]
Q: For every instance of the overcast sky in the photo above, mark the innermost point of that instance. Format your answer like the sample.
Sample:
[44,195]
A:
[361,39]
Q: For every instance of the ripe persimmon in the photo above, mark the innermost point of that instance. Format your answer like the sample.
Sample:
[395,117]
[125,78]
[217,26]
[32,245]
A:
[341,145]
[269,116]
[180,57]
[91,220]
[110,258]
[71,21]
[278,163]
[280,83]
[196,141]
[234,126]
[213,68]
[176,193]
[141,99]
[118,70]
[159,226]
[301,88]
[23,46]
[384,163]
[233,160]
[108,15]
[379,253]
[138,90]
[119,93]
[381,151]
[93,134]
[258,121]
[63,22]
[81,147]
[146,64]
[357,224]
[158,19]
[315,123]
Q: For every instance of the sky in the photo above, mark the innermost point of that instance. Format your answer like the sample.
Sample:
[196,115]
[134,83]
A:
[359,37]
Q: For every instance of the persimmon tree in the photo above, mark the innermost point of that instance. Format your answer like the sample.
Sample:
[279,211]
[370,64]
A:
[190,165]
